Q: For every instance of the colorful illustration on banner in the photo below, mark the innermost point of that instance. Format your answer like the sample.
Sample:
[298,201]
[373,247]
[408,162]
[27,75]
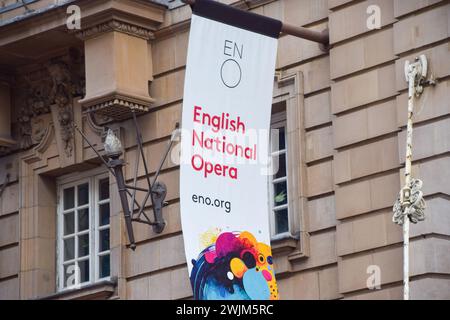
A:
[233,265]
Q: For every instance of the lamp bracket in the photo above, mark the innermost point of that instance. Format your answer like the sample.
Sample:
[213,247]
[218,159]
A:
[155,190]
[417,72]
[159,194]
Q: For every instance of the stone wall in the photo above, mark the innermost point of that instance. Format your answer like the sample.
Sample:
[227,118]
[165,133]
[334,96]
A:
[369,104]
[353,107]
[9,230]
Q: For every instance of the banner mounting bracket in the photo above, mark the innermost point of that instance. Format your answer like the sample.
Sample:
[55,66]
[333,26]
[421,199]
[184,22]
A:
[321,37]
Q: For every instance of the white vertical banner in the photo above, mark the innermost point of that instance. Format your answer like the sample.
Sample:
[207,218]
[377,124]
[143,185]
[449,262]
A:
[224,196]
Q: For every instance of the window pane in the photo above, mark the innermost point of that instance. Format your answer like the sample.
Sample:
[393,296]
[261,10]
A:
[83,219]
[104,266]
[281,221]
[104,189]
[104,240]
[69,198]
[83,245]
[69,249]
[281,138]
[280,163]
[280,193]
[104,214]
[70,276]
[83,194]
[84,270]
[69,223]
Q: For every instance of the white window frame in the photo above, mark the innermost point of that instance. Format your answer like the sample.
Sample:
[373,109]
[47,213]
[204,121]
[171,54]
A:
[278,120]
[92,177]
[98,228]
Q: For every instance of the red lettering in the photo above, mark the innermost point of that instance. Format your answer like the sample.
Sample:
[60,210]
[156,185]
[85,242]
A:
[218,122]
[197,113]
[195,138]
[197,168]
[218,169]
[233,173]
[208,168]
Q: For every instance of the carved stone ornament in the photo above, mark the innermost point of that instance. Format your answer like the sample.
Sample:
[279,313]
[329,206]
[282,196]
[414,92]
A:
[25,131]
[115,25]
[39,127]
[413,206]
[57,83]
[61,95]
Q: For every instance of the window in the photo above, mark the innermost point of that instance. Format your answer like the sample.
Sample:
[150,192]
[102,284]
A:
[278,187]
[289,202]
[83,231]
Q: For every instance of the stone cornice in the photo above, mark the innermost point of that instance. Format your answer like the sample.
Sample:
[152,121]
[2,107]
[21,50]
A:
[172,29]
[136,17]
[117,106]
[115,25]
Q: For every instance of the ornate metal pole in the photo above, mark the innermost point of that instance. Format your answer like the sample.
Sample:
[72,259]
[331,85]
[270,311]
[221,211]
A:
[113,149]
[410,204]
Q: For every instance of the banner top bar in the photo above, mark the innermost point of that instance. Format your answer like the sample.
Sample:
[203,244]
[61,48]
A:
[320,37]
[241,19]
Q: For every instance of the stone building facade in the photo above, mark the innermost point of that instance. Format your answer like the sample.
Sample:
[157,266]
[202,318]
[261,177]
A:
[344,117]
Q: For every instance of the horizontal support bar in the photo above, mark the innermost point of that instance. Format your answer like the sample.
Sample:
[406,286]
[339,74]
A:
[300,32]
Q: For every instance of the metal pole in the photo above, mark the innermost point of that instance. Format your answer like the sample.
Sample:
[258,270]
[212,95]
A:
[117,165]
[305,33]
[408,160]
[410,205]
[300,32]
[406,259]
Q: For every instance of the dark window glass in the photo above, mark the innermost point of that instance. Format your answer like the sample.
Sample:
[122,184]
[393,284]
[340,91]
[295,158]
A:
[83,219]
[281,138]
[69,249]
[84,270]
[83,245]
[280,163]
[69,198]
[104,266]
[104,240]
[69,223]
[104,214]
[83,194]
[281,221]
[104,189]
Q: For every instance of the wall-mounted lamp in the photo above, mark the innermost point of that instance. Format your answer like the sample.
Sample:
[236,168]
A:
[155,191]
